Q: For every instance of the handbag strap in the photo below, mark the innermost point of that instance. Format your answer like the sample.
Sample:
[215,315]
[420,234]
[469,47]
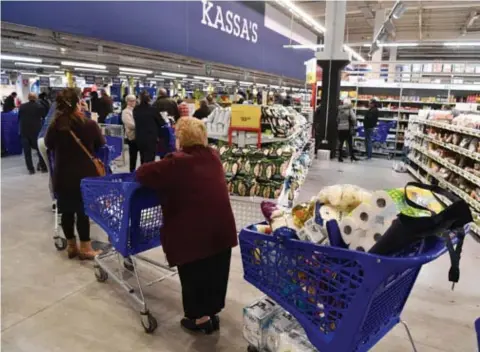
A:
[436,190]
[79,142]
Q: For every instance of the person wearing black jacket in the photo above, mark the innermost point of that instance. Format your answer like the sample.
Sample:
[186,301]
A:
[105,107]
[30,118]
[9,103]
[370,122]
[203,111]
[165,104]
[147,128]
[42,100]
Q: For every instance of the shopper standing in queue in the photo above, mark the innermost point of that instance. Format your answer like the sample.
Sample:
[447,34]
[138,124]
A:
[105,107]
[9,103]
[203,111]
[212,105]
[129,124]
[346,122]
[30,116]
[370,122]
[198,231]
[147,128]
[42,100]
[67,136]
[165,104]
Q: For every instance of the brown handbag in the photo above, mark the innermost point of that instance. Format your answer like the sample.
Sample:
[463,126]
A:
[99,166]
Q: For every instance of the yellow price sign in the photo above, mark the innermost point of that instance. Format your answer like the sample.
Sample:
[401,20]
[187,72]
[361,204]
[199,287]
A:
[246,116]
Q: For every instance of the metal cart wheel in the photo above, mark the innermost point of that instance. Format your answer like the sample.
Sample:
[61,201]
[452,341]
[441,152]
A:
[100,274]
[127,264]
[149,322]
[60,243]
[252,348]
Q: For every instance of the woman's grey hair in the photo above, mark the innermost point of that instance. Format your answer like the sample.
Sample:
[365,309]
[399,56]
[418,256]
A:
[131,97]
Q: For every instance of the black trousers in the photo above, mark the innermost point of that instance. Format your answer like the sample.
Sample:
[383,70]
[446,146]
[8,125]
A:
[345,136]
[82,222]
[132,153]
[204,285]
[147,154]
[28,144]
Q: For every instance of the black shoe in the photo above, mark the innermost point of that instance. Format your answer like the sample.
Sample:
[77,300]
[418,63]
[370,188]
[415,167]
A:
[215,319]
[31,172]
[353,158]
[340,160]
[189,324]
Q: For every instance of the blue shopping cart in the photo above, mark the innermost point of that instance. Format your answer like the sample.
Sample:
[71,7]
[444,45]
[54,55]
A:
[131,216]
[379,137]
[345,300]
[105,154]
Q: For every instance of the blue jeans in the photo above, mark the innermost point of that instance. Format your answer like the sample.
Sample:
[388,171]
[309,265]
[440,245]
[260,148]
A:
[368,142]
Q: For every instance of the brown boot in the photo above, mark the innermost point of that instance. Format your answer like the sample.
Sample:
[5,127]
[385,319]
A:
[86,251]
[72,248]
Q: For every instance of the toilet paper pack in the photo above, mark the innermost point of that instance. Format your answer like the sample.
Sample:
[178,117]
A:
[282,322]
[256,317]
[295,341]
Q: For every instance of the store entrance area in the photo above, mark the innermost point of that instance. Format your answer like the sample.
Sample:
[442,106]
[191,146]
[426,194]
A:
[50,303]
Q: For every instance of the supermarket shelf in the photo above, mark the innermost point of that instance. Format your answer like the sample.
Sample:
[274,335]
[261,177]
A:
[378,101]
[416,174]
[426,102]
[361,117]
[472,202]
[391,110]
[452,147]
[458,170]
[445,126]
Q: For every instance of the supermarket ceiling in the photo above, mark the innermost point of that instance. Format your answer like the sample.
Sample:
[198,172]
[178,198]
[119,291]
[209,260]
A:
[430,22]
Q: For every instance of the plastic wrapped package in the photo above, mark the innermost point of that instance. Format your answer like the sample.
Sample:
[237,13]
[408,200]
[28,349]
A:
[256,318]
[295,341]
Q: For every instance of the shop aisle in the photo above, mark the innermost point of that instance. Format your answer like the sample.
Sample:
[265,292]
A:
[50,303]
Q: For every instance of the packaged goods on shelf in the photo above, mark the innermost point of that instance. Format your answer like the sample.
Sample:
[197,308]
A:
[218,121]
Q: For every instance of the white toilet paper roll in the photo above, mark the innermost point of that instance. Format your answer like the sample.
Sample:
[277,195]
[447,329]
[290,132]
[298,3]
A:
[351,231]
[381,200]
[364,215]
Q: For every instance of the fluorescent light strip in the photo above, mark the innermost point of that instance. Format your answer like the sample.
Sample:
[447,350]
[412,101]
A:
[181,75]
[274,87]
[20,58]
[260,85]
[35,65]
[83,64]
[29,73]
[136,70]
[204,78]
[133,73]
[304,46]
[353,53]
[387,45]
[227,80]
[90,70]
[461,44]
[62,72]
[245,83]
[302,14]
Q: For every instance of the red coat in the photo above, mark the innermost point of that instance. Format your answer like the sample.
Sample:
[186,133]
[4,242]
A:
[197,216]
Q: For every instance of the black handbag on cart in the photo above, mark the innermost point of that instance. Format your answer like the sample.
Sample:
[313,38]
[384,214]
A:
[448,224]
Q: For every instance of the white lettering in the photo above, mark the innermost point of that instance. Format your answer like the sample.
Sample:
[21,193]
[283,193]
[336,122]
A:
[229,19]
[219,19]
[244,34]
[254,32]
[207,6]
[236,22]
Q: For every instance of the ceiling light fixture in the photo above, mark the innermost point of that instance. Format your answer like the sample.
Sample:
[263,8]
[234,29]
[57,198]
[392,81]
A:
[227,80]
[59,72]
[304,46]
[261,85]
[461,44]
[181,75]
[398,9]
[274,87]
[83,64]
[389,45]
[204,78]
[290,5]
[20,58]
[35,65]
[353,53]
[133,74]
[245,83]
[90,70]
[136,70]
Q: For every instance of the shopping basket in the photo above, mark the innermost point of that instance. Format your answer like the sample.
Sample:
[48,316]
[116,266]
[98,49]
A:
[132,217]
[114,137]
[345,300]
[105,155]
[166,143]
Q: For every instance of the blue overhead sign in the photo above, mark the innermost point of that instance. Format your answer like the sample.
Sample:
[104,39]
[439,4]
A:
[227,32]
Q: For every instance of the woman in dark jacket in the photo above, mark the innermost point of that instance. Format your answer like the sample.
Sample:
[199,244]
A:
[147,128]
[72,164]
[203,111]
[198,230]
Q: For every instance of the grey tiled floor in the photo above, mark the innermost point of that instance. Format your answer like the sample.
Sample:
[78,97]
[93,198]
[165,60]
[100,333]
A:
[50,303]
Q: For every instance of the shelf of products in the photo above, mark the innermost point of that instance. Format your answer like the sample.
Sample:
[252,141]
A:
[447,149]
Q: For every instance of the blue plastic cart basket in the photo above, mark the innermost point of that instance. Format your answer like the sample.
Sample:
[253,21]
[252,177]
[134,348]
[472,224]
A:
[130,214]
[345,300]
[380,133]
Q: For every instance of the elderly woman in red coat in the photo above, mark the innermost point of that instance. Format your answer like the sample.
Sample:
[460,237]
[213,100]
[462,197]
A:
[198,225]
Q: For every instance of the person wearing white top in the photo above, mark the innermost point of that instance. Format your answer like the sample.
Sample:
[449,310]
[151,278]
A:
[129,124]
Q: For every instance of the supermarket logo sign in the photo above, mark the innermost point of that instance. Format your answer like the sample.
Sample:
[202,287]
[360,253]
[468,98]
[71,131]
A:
[215,17]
